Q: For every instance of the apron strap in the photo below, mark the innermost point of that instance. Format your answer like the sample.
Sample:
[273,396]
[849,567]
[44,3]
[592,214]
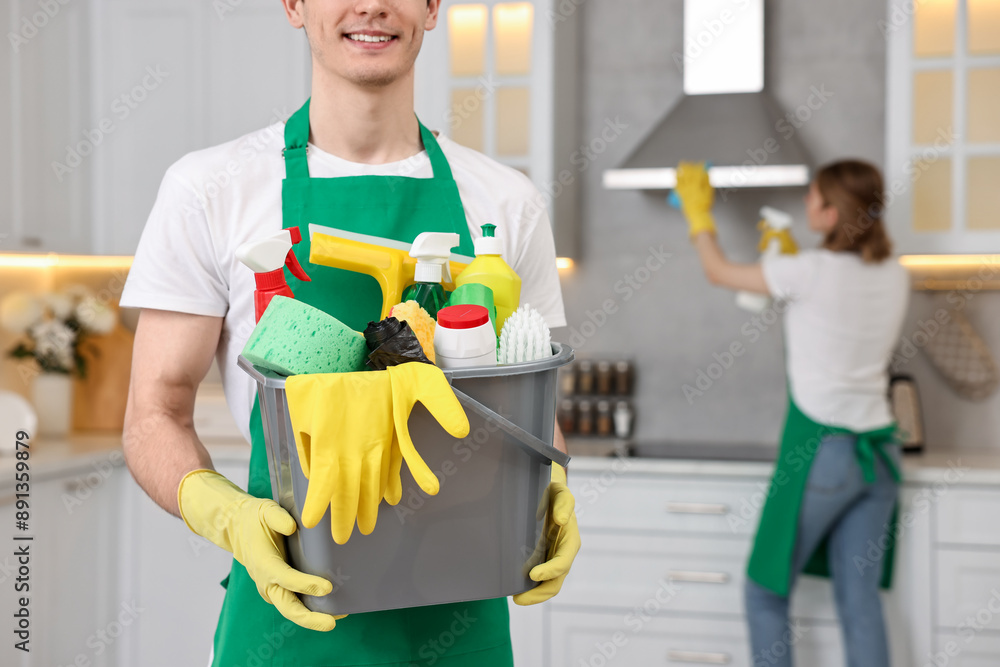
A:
[439,163]
[297,143]
[297,146]
[871,444]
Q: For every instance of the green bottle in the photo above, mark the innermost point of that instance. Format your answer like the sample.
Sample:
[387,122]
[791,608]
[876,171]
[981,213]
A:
[431,250]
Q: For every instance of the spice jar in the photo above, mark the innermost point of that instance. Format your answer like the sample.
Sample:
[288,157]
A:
[566,414]
[604,423]
[604,377]
[567,380]
[623,378]
[585,377]
[585,418]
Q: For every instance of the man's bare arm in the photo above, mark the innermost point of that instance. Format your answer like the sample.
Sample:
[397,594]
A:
[171,355]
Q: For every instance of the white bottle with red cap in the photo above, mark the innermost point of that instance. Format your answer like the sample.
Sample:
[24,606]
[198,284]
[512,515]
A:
[464,337]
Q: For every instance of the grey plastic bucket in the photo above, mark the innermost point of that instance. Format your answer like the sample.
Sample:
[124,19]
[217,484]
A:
[477,538]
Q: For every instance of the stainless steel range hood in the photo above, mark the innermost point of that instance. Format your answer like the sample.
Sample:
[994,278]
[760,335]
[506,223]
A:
[725,117]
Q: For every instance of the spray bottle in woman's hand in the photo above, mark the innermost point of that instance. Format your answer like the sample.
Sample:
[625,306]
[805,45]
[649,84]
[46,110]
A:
[775,239]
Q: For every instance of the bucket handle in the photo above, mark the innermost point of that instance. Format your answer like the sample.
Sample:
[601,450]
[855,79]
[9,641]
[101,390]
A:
[524,438]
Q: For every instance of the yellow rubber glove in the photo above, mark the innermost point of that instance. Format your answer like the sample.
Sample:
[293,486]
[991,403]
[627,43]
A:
[344,435]
[252,529]
[563,537]
[412,382]
[696,195]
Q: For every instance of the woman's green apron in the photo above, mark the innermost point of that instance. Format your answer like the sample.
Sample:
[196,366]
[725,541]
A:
[774,547]
[251,632]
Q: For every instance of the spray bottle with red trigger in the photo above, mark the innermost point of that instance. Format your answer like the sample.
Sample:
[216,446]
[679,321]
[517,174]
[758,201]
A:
[266,257]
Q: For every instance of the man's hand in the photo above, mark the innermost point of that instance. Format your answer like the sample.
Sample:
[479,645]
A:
[253,530]
[563,535]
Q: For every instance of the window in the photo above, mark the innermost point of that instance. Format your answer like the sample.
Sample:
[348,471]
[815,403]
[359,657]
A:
[943,125]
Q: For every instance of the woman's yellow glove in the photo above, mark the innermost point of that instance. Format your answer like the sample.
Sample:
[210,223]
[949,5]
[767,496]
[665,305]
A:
[344,435]
[696,195]
[252,529]
[563,536]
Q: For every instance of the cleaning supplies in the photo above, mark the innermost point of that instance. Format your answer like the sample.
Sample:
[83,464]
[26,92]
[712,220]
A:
[525,337]
[423,325]
[775,239]
[491,270]
[343,430]
[293,337]
[387,261]
[464,337]
[477,294]
[392,343]
[266,257]
[431,250]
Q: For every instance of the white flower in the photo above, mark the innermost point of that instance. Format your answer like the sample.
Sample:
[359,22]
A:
[60,304]
[78,292]
[19,311]
[95,316]
[54,338]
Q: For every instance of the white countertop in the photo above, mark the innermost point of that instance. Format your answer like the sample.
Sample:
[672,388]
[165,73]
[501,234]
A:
[80,454]
[950,466]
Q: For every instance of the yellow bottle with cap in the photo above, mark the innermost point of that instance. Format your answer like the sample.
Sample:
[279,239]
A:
[491,270]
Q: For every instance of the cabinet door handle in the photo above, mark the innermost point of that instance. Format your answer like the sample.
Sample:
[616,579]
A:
[699,657]
[698,577]
[697,508]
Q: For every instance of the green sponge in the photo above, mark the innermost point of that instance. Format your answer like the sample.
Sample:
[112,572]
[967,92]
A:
[294,338]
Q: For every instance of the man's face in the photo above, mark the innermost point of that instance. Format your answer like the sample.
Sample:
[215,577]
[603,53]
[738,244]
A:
[367,42]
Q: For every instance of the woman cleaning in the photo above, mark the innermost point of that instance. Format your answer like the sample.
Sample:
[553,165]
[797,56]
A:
[834,488]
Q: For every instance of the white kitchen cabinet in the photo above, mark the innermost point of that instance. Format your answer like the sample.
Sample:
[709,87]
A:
[174,576]
[968,649]
[194,74]
[106,94]
[499,76]
[676,546]
[44,202]
[73,596]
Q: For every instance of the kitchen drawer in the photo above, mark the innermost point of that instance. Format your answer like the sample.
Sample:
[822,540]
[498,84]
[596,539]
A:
[967,649]
[679,505]
[677,574]
[968,516]
[968,586]
[588,640]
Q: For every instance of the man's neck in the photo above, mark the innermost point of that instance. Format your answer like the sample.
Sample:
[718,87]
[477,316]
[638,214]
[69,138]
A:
[366,125]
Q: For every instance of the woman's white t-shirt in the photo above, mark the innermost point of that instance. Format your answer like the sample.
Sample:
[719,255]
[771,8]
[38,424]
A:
[212,201]
[842,322]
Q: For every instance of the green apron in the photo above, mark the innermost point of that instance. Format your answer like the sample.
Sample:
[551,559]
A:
[774,546]
[251,632]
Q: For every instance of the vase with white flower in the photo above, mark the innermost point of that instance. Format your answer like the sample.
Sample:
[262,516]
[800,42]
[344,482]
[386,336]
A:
[53,327]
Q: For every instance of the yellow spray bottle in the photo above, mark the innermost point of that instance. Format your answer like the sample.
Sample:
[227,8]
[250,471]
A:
[491,270]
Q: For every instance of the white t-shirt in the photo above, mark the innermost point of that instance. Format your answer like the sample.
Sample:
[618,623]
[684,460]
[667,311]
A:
[212,201]
[842,322]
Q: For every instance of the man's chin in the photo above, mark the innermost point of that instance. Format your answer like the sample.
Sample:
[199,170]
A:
[373,77]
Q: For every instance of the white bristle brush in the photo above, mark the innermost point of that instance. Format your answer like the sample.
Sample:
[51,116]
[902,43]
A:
[524,337]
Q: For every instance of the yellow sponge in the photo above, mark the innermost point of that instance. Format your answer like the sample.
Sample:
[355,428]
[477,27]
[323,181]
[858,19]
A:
[421,323]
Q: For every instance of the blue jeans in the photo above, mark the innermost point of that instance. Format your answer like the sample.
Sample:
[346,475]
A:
[838,503]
